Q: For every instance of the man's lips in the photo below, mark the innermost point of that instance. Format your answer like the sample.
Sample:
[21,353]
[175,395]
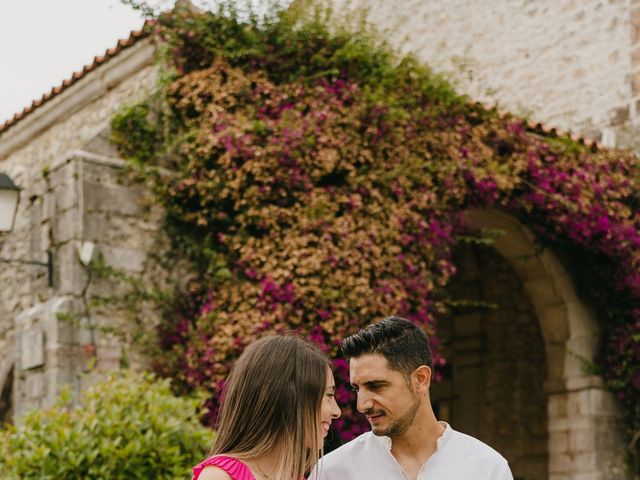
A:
[374,417]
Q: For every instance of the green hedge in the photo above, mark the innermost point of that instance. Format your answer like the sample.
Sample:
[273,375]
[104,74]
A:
[127,427]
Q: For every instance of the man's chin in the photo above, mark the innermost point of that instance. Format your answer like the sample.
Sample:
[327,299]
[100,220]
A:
[379,431]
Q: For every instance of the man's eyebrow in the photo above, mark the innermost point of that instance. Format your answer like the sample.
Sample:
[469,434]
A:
[372,383]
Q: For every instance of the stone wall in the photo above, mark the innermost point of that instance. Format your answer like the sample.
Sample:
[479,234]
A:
[71,194]
[574,64]
[80,326]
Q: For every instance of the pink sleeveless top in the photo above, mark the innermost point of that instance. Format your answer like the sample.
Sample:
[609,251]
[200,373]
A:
[234,467]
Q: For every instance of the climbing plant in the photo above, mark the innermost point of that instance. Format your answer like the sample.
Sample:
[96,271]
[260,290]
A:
[316,182]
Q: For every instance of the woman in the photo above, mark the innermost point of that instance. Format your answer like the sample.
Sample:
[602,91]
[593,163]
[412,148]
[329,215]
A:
[276,410]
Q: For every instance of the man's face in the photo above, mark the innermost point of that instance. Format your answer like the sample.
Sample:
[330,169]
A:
[385,396]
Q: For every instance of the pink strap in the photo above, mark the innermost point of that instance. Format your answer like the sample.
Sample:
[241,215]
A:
[233,466]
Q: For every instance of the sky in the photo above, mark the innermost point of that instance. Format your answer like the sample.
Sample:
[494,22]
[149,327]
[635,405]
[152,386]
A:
[42,42]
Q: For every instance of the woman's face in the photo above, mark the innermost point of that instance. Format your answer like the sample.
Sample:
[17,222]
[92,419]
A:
[329,408]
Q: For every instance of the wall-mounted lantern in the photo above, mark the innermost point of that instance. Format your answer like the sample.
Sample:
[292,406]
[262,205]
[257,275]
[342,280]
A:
[9,199]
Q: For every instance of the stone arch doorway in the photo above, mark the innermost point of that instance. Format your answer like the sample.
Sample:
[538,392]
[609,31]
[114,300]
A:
[493,386]
[582,436]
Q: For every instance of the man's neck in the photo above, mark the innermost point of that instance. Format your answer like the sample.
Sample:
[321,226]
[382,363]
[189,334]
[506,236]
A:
[413,448]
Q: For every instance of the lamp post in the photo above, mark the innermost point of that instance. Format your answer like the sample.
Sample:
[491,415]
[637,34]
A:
[9,199]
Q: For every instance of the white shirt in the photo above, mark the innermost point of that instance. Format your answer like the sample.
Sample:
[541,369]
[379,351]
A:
[457,457]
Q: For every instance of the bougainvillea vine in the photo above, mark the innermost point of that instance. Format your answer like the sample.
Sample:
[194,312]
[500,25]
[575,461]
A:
[317,183]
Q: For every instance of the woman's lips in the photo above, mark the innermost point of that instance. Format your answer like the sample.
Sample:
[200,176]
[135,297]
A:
[325,428]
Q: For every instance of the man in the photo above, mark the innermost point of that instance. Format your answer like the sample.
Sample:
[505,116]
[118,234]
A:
[390,369]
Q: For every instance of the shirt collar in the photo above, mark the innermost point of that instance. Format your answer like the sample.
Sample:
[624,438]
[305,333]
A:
[444,438]
[440,442]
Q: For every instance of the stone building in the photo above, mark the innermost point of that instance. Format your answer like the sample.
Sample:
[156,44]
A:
[72,202]
[515,378]
[574,65]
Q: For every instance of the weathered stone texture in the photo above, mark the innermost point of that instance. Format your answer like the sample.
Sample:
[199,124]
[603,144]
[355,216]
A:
[66,190]
[567,62]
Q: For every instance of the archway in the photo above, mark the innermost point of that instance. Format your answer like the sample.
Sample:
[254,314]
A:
[493,385]
[583,418]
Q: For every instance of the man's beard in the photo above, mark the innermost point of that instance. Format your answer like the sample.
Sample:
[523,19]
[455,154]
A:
[402,424]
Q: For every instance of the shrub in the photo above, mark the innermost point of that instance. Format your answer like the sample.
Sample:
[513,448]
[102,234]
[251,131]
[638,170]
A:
[129,426]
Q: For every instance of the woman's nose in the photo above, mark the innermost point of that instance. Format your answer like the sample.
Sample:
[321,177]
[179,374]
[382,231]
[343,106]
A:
[335,411]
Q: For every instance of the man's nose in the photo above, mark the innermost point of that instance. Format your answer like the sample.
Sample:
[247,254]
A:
[365,402]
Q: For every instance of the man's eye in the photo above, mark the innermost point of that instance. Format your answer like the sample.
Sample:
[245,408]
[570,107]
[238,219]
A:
[354,388]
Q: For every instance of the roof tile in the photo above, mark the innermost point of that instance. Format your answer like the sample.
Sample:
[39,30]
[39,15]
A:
[97,61]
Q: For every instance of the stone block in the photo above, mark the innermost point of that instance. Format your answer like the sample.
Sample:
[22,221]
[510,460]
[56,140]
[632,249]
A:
[588,476]
[557,406]
[35,220]
[559,476]
[98,227]
[635,25]
[605,403]
[66,196]
[469,345]
[123,258]
[619,116]
[101,144]
[635,84]
[468,323]
[608,440]
[555,322]
[542,292]
[34,386]
[66,226]
[559,442]
[100,172]
[65,174]
[32,347]
[122,200]
[580,403]
[48,210]
[585,461]
[560,463]
[117,230]
[70,276]
[582,441]
[556,354]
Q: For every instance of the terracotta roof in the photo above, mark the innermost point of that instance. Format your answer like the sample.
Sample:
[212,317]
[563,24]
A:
[545,130]
[136,35]
[541,129]
[122,44]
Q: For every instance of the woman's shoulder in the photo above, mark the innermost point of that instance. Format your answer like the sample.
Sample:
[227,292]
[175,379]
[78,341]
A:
[222,467]
[213,473]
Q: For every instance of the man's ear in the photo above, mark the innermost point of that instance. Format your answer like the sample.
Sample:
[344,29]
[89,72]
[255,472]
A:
[422,376]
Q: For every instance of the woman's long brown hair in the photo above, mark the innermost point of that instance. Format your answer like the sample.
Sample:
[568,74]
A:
[271,404]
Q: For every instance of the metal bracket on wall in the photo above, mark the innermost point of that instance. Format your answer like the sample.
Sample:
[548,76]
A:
[48,264]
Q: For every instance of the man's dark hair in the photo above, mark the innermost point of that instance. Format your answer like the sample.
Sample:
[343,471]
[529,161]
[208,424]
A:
[403,344]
